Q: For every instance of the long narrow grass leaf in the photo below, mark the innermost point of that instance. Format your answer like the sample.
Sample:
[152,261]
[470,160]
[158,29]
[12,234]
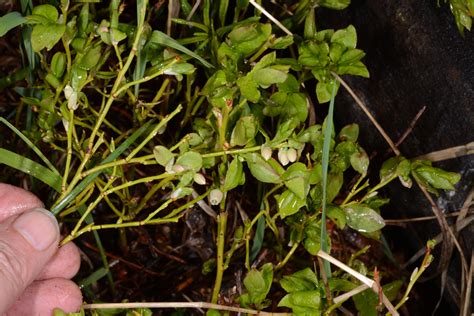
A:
[325,164]
[88,180]
[163,39]
[10,21]
[31,145]
[30,167]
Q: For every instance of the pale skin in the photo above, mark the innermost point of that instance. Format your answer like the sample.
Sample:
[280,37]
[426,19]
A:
[34,273]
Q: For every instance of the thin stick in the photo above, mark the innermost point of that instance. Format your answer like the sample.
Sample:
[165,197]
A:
[347,295]
[369,282]
[420,219]
[449,153]
[467,298]
[342,266]
[196,305]
[271,17]
[411,126]
[369,115]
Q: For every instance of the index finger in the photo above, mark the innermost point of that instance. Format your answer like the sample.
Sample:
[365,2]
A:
[14,201]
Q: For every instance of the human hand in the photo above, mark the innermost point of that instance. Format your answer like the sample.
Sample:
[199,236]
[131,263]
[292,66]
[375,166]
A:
[34,273]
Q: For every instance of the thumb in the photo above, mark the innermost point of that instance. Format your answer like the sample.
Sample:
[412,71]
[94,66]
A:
[27,242]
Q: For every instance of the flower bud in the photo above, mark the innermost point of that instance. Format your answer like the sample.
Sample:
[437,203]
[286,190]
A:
[266,152]
[283,157]
[292,155]
[199,179]
[178,168]
[215,197]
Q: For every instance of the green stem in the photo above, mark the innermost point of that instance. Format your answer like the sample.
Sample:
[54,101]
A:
[232,152]
[290,253]
[355,189]
[221,229]
[155,130]
[113,94]
[70,125]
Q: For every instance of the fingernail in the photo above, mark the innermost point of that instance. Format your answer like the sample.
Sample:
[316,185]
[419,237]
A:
[39,227]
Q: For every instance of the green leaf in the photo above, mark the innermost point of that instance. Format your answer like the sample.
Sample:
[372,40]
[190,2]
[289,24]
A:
[335,182]
[296,178]
[313,54]
[394,167]
[335,4]
[336,51]
[91,57]
[10,21]
[312,241]
[438,178]
[351,56]
[363,219]
[249,89]
[284,130]
[244,131]
[265,61]
[337,215]
[261,169]
[258,284]
[344,152]
[267,76]
[324,90]
[289,203]
[31,167]
[163,39]
[249,38]
[346,37]
[58,64]
[303,280]
[356,69]
[341,285]
[180,69]
[190,160]
[304,303]
[360,161]
[46,10]
[163,155]
[234,175]
[46,36]
[349,133]
[282,42]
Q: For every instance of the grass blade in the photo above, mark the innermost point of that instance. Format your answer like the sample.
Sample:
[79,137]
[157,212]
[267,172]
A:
[31,145]
[30,167]
[10,21]
[163,39]
[88,180]
[325,164]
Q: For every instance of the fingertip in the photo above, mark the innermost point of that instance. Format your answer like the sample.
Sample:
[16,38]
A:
[42,297]
[65,263]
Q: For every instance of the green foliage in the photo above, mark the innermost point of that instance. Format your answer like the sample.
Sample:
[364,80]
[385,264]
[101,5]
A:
[304,293]
[136,126]
[463,12]
[10,21]
[258,284]
[332,51]
[368,301]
